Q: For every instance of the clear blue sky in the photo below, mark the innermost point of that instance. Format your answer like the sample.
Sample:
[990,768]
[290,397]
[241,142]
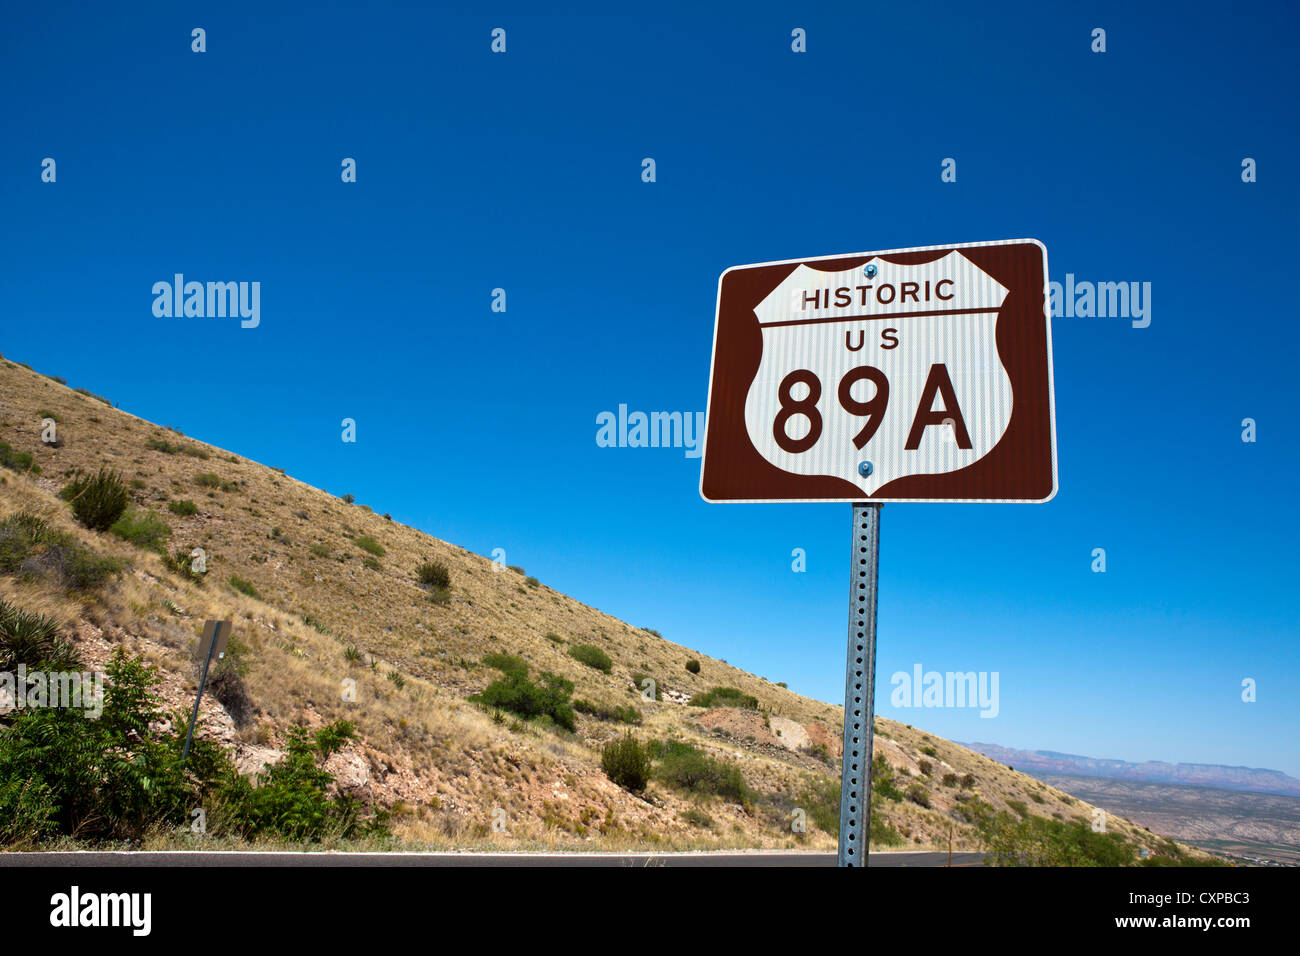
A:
[523,171]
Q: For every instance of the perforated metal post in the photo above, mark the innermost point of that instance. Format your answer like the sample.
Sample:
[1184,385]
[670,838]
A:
[859,687]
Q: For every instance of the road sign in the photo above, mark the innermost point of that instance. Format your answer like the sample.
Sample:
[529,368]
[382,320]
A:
[907,375]
[211,644]
[213,641]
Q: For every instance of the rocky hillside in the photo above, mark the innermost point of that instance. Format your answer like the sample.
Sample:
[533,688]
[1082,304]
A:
[334,624]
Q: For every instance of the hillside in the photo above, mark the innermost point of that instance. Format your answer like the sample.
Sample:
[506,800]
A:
[323,593]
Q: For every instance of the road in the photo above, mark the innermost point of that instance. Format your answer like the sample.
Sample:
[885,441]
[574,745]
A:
[769,858]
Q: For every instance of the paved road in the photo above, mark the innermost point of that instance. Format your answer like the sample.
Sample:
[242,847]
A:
[217,858]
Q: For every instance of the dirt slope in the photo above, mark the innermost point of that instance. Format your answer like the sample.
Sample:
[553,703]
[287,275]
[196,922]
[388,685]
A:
[325,610]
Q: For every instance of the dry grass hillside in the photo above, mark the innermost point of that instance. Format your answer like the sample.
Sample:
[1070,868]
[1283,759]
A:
[325,598]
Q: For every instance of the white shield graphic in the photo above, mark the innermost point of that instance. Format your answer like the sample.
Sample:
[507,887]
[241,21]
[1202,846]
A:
[856,368]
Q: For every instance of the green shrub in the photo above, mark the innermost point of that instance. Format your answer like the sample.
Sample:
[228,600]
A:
[184,508]
[433,574]
[950,780]
[684,767]
[882,834]
[206,479]
[882,780]
[44,413]
[693,666]
[97,500]
[366,543]
[143,528]
[514,692]
[348,499]
[372,563]
[532,582]
[639,680]
[319,550]
[592,656]
[29,547]
[243,586]
[626,763]
[724,697]
[919,795]
[181,562]
[820,799]
[507,663]
[609,712]
[1040,841]
[33,640]
[291,798]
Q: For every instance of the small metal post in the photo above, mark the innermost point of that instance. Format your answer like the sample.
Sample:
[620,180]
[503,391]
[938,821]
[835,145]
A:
[859,687]
[189,734]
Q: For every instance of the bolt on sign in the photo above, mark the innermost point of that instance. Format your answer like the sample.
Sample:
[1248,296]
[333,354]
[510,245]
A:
[909,375]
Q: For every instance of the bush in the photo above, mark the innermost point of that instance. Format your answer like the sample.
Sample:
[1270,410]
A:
[243,586]
[684,767]
[19,461]
[626,763]
[821,801]
[514,692]
[433,574]
[882,834]
[31,548]
[506,663]
[919,795]
[532,582]
[882,780]
[592,656]
[97,500]
[639,680]
[33,640]
[184,508]
[291,798]
[1040,841]
[206,479]
[724,697]
[319,550]
[610,712]
[143,528]
[182,562]
[693,666]
[366,543]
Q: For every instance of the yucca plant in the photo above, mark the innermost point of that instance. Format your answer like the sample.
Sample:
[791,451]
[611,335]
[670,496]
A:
[97,500]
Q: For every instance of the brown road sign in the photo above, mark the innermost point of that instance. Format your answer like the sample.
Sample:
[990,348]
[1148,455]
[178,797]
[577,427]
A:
[213,631]
[906,375]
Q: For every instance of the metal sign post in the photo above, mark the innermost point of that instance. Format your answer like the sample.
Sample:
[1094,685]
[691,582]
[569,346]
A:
[859,688]
[213,641]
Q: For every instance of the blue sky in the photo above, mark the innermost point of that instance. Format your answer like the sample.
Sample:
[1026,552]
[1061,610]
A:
[522,171]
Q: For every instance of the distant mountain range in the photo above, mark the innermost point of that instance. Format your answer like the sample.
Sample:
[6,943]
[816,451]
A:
[1249,779]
